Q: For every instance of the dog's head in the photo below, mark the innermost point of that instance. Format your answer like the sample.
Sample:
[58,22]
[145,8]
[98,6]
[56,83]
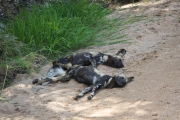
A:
[121,80]
[55,70]
[116,62]
[64,63]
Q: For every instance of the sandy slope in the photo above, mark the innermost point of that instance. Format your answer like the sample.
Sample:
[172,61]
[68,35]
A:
[153,59]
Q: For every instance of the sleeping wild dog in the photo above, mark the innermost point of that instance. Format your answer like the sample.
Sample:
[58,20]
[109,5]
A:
[83,59]
[91,76]
[93,58]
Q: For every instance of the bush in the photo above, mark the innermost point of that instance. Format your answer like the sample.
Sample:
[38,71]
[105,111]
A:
[10,47]
[58,27]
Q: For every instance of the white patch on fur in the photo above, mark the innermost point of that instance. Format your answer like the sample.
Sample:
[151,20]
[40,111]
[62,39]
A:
[80,94]
[88,56]
[98,72]
[46,83]
[121,54]
[105,58]
[105,84]
[109,81]
[39,79]
[118,56]
[55,71]
[94,80]
[101,59]
[69,65]
[121,74]
[57,77]
[94,54]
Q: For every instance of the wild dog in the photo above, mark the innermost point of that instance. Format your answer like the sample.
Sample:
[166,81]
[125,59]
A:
[84,59]
[55,70]
[91,76]
[93,58]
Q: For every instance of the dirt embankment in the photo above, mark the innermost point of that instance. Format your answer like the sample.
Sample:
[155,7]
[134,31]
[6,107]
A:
[153,59]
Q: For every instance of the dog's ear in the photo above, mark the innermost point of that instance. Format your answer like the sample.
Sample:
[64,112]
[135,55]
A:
[54,63]
[63,60]
[121,52]
[129,79]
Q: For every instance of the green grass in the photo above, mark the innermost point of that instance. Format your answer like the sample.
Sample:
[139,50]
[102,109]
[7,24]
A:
[58,28]
[65,26]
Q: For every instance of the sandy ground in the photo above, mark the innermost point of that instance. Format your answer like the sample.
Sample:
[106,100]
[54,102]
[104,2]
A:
[153,59]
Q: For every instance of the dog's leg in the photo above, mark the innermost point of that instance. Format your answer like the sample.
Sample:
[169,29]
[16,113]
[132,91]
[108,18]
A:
[95,88]
[36,81]
[86,90]
[45,81]
[65,78]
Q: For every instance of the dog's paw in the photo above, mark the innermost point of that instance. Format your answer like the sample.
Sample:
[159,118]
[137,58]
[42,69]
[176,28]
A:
[76,98]
[89,97]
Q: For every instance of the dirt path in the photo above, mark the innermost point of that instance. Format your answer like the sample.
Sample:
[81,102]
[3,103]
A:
[153,59]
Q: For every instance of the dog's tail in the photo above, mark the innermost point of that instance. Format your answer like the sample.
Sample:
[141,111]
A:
[121,52]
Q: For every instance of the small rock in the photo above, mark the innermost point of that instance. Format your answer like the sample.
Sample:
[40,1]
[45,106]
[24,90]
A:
[138,37]
[168,102]
[154,114]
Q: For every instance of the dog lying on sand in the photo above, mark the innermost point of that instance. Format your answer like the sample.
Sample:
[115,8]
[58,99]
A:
[83,59]
[91,76]
[93,58]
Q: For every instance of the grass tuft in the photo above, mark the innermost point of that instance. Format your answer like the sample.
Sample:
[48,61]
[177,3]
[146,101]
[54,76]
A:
[58,27]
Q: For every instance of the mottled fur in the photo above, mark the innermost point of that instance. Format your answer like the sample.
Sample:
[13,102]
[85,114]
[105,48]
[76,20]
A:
[83,59]
[91,76]
[93,58]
